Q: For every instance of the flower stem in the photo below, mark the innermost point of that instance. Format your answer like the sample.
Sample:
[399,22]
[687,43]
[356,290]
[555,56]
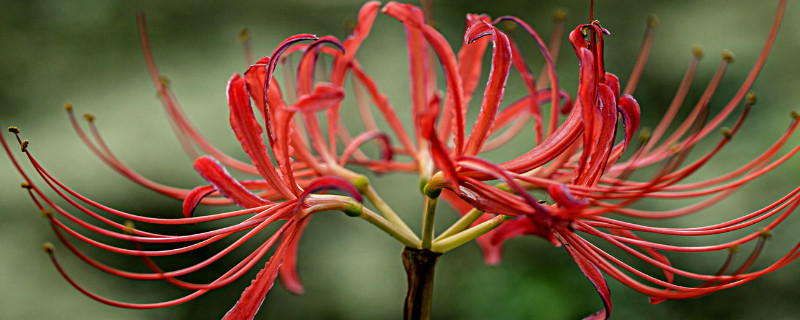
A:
[427,222]
[385,209]
[456,240]
[462,223]
[420,265]
[408,239]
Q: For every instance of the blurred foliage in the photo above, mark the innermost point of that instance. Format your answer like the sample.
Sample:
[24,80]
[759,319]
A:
[87,52]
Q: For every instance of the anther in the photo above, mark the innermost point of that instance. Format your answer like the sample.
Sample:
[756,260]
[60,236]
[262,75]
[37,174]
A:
[674,148]
[726,132]
[24,145]
[13,130]
[129,227]
[164,81]
[88,117]
[244,35]
[727,56]
[559,15]
[652,21]
[751,98]
[765,234]
[48,247]
[795,115]
[47,213]
[26,185]
[697,51]
[644,135]
[68,107]
[733,249]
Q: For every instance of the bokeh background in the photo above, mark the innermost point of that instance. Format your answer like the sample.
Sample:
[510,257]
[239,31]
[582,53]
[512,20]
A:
[87,52]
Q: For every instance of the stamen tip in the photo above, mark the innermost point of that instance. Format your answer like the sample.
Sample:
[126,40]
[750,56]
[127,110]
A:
[733,249]
[652,21]
[765,234]
[49,248]
[26,185]
[164,81]
[674,148]
[24,145]
[244,35]
[727,56]
[644,135]
[47,213]
[129,227]
[68,107]
[697,51]
[795,115]
[559,15]
[14,130]
[751,98]
[726,132]
[88,117]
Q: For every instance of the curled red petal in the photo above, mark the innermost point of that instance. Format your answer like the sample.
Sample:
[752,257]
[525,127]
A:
[325,95]
[596,277]
[227,186]
[493,94]
[248,131]
[194,197]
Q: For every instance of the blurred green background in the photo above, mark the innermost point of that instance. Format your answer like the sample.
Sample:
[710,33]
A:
[87,52]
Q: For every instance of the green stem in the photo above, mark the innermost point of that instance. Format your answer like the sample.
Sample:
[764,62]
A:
[420,265]
[427,221]
[462,223]
[386,210]
[454,241]
[407,238]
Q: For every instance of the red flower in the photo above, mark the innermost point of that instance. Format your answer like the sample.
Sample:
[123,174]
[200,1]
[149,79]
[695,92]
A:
[578,166]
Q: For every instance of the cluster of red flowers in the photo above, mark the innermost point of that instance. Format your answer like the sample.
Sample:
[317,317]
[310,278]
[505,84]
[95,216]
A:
[578,161]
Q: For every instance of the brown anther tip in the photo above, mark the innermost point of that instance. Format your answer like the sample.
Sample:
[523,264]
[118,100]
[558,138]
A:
[559,15]
[674,148]
[751,98]
[726,132]
[24,145]
[26,185]
[697,51]
[129,227]
[349,24]
[68,107]
[644,135]
[508,25]
[48,247]
[652,21]
[765,234]
[733,249]
[13,130]
[727,56]
[88,117]
[244,35]
[164,81]
[47,213]
[795,115]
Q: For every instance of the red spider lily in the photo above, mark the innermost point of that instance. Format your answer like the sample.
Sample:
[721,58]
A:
[578,162]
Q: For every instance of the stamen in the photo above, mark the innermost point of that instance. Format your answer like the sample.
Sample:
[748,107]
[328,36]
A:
[13,130]
[49,248]
[727,56]
[726,132]
[795,115]
[26,185]
[247,46]
[47,213]
[68,106]
[697,51]
[88,117]
[24,145]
